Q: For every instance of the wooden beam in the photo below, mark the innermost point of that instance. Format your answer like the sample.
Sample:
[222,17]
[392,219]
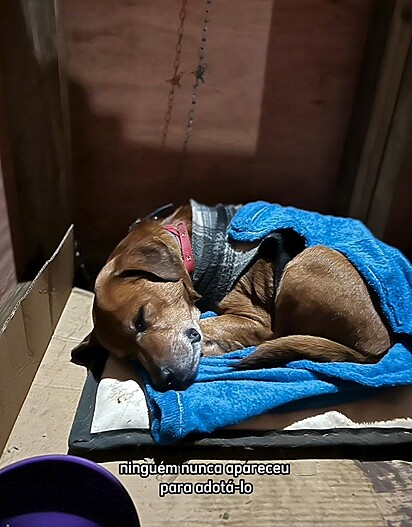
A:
[393,66]
[362,108]
[10,189]
[374,108]
[398,141]
[35,103]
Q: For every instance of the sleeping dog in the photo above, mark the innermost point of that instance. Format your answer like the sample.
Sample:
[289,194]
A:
[289,301]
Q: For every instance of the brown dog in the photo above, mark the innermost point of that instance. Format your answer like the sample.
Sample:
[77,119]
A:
[145,308]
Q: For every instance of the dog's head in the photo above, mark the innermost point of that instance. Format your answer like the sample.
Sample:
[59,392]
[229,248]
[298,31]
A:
[144,309]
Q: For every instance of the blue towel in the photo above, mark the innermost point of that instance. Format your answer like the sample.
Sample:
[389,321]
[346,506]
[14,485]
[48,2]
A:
[222,396]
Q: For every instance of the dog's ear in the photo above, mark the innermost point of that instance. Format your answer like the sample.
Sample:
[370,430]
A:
[88,352]
[155,258]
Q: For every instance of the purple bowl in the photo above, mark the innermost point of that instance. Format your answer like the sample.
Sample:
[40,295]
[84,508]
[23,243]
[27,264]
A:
[63,491]
[48,519]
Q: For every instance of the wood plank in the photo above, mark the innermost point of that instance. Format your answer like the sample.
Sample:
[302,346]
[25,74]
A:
[398,230]
[392,68]
[10,187]
[32,83]
[363,103]
[394,155]
[8,279]
[392,486]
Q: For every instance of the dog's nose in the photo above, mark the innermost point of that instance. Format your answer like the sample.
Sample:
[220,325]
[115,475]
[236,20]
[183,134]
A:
[193,335]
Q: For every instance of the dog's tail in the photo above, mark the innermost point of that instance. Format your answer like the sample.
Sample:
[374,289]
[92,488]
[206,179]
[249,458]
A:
[296,347]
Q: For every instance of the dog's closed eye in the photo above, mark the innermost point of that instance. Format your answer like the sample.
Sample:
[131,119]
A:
[140,323]
[129,273]
[139,273]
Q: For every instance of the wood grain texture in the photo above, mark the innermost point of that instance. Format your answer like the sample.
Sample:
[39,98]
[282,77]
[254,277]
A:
[270,120]
[392,486]
[8,280]
[399,226]
[385,101]
[37,123]
[10,188]
[363,103]
[393,159]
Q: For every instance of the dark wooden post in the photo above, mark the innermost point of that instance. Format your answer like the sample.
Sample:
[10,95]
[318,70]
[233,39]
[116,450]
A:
[381,125]
[35,123]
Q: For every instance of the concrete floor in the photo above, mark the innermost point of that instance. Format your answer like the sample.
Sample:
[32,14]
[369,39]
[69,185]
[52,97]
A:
[317,492]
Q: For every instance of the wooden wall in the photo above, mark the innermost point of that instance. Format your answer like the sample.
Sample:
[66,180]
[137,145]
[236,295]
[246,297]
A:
[270,121]
[8,280]
[399,228]
[9,231]
[34,129]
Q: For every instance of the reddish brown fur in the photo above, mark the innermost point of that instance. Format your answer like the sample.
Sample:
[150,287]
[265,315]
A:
[322,311]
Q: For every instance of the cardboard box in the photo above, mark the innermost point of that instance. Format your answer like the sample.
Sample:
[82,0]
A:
[27,331]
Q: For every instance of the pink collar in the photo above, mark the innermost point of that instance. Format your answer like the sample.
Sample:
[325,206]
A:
[180,231]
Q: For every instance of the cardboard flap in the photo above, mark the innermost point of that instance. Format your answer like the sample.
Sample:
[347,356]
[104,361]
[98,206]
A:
[28,329]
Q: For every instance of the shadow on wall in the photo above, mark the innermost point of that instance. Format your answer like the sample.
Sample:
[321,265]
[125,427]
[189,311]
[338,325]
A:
[306,101]
[116,181]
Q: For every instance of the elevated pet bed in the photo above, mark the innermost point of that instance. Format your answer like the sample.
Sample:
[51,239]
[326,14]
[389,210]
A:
[301,403]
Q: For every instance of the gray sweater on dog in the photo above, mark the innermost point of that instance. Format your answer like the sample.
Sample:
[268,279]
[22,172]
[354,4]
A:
[218,262]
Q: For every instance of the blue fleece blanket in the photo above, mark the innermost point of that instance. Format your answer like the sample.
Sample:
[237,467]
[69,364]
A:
[222,396]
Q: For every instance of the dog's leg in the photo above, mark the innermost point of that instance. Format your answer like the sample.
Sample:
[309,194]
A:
[245,318]
[296,347]
[231,332]
[323,312]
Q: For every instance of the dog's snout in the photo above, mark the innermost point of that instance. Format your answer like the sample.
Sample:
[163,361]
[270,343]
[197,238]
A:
[193,335]
[170,380]
[166,377]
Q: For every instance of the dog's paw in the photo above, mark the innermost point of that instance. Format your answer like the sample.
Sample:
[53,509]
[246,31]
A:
[214,348]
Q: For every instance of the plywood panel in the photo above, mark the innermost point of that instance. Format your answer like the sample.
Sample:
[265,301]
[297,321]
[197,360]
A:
[8,279]
[270,118]
[34,118]
[399,228]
